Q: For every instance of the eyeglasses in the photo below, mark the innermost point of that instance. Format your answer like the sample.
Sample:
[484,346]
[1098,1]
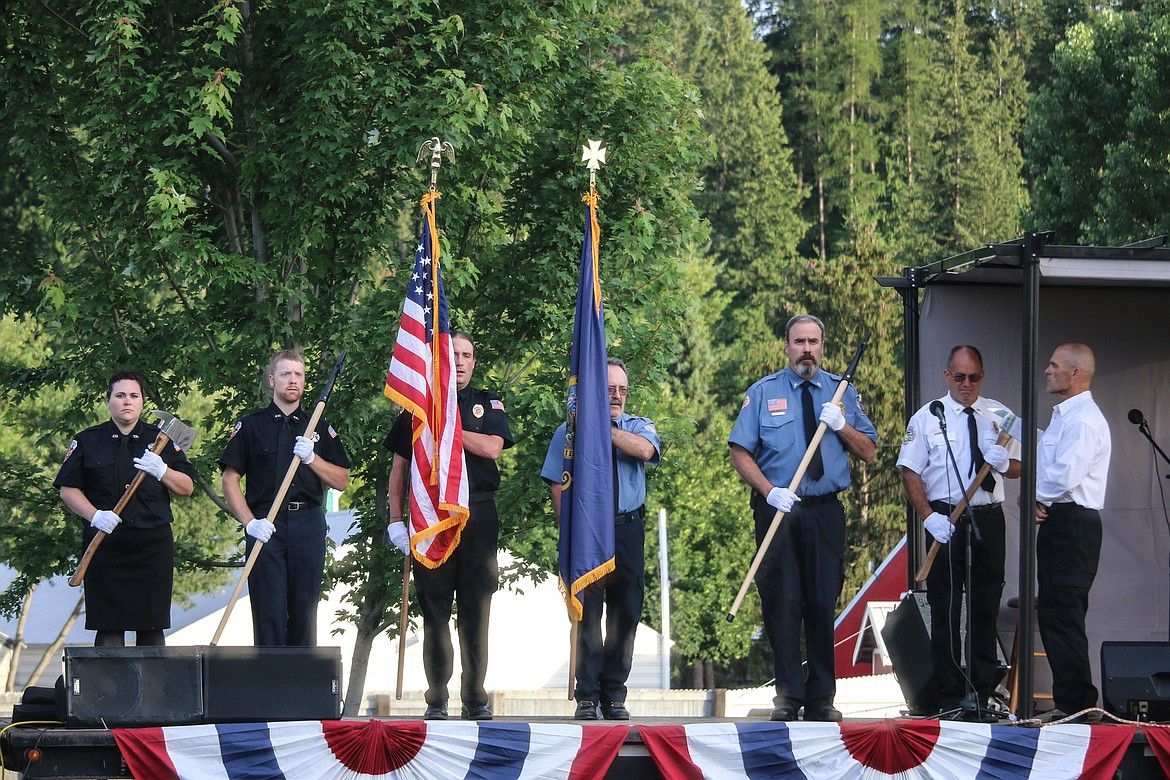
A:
[621,392]
[974,378]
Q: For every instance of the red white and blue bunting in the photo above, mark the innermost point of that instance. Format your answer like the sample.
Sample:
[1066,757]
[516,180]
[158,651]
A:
[906,750]
[351,750]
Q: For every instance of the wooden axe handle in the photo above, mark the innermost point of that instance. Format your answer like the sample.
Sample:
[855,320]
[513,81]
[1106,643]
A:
[78,577]
[924,570]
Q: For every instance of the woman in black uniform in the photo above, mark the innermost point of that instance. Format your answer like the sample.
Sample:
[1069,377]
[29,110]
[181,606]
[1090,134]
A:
[129,581]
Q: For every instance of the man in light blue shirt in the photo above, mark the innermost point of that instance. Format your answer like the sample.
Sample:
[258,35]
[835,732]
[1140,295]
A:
[603,667]
[803,570]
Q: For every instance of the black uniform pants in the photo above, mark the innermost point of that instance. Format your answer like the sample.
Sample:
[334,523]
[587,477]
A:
[467,579]
[944,593]
[284,586]
[799,581]
[603,666]
[1068,547]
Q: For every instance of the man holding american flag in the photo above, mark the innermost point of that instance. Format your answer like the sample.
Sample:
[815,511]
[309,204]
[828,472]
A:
[469,575]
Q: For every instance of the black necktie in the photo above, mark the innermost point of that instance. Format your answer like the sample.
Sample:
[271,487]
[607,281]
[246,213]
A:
[123,464]
[284,453]
[816,466]
[977,461]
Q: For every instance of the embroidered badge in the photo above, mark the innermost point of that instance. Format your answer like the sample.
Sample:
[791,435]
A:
[236,430]
[910,434]
[316,436]
[68,452]
[746,400]
[777,406]
[477,410]
[497,404]
[332,432]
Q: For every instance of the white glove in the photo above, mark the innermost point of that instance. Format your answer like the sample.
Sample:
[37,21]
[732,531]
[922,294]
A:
[105,521]
[399,536]
[938,526]
[260,529]
[303,449]
[997,456]
[152,464]
[832,416]
[782,498]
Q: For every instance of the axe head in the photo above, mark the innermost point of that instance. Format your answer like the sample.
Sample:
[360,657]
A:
[1008,423]
[176,430]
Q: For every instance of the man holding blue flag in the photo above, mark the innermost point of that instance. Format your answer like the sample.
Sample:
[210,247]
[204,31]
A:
[604,666]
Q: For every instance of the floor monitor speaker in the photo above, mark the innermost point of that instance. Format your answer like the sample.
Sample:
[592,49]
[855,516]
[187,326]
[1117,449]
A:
[257,684]
[133,686]
[1135,680]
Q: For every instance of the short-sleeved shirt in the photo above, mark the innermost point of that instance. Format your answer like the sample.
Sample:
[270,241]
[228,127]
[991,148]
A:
[95,466]
[479,412]
[770,426]
[631,471]
[924,449]
[254,452]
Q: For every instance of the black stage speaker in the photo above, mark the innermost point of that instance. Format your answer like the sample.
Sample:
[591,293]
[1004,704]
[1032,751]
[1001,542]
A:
[257,684]
[1135,680]
[133,686]
[907,637]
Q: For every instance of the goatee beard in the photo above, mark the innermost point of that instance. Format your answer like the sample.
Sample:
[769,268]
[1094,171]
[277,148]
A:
[805,370]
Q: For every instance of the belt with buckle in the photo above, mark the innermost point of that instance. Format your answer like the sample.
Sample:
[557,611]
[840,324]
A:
[296,506]
[814,500]
[628,517]
[946,508]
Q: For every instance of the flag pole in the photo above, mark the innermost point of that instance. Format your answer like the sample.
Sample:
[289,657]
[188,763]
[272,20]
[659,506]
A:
[438,149]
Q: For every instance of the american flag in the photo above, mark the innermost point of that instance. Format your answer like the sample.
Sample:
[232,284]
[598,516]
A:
[421,379]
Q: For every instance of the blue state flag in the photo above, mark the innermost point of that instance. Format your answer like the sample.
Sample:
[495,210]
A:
[587,485]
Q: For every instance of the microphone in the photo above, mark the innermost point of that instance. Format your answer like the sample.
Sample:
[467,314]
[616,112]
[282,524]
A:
[936,408]
[1137,418]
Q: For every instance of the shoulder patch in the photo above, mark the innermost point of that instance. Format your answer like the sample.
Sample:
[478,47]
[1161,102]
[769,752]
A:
[860,405]
[747,399]
[910,434]
[68,452]
[332,432]
[236,430]
[650,427]
[497,404]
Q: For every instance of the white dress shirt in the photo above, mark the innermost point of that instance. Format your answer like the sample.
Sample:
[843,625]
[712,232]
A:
[1072,459]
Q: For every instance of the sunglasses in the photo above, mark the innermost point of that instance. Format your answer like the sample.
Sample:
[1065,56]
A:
[974,378]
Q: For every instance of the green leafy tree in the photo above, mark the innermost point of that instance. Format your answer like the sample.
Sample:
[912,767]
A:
[224,179]
[1096,136]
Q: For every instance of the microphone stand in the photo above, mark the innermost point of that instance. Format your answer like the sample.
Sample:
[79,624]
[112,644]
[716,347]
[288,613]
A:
[970,709]
[1144,429]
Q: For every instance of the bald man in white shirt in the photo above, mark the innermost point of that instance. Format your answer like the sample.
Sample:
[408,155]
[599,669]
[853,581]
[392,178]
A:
[1072,466]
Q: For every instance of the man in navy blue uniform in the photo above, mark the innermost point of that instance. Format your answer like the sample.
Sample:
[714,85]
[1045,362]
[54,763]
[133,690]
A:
[603,667]
[284,587]
[470,576]
[801,575]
